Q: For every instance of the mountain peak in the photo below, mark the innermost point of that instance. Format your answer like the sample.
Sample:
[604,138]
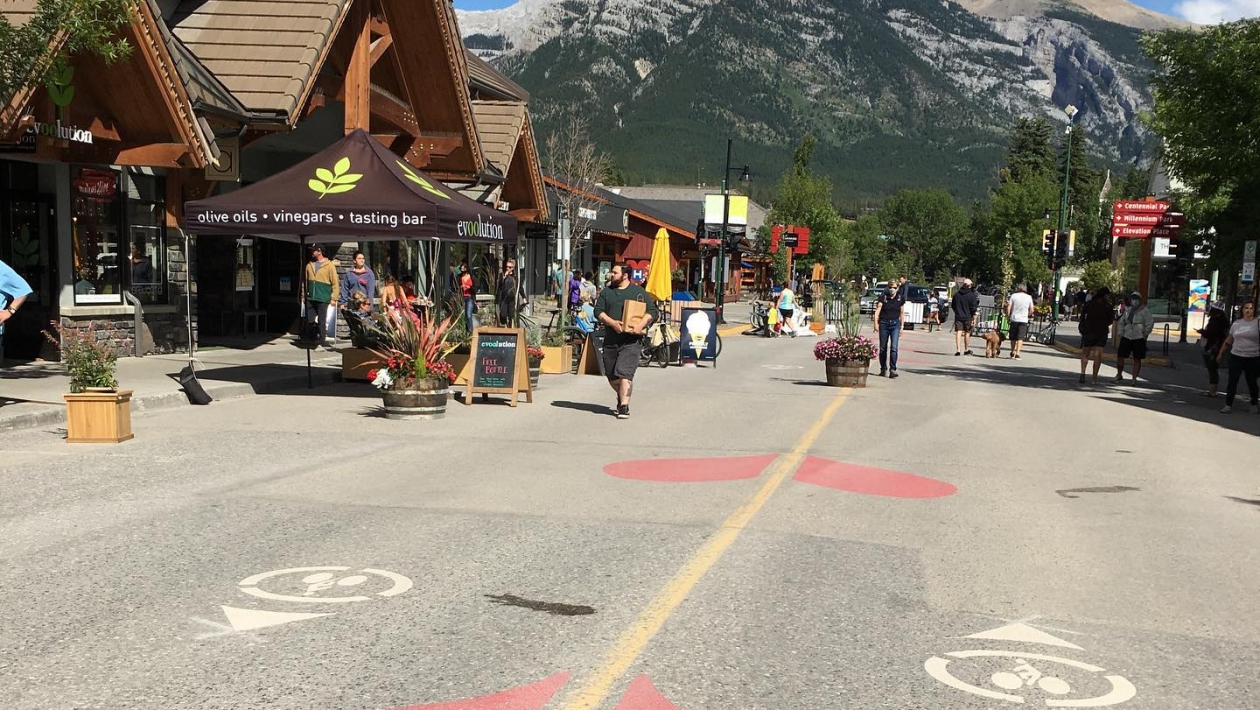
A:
[1120,12]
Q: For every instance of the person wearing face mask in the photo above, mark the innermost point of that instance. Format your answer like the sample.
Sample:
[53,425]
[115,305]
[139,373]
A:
[890,317]
[1135,327]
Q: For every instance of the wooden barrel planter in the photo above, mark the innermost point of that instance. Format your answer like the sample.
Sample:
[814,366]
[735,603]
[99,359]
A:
[841,373]
[535,369]
[419,403]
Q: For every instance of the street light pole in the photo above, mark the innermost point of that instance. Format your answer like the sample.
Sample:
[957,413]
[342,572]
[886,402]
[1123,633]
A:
[1063,215]
[726,216]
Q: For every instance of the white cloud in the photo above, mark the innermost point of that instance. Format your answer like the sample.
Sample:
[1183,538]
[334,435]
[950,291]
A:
[1206,12]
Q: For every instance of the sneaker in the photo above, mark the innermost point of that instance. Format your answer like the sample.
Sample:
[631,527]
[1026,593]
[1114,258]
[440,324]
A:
[957,354]
[883,373]
[893,375]
[968,352]
[1017,357]
[1082,379]
[623,412]
[1226,409]
[1119,377]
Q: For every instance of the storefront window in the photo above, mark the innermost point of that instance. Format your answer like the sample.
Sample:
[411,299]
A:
[96,237]
[146,219]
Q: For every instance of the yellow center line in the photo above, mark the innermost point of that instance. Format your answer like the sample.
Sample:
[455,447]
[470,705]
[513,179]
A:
[632,642]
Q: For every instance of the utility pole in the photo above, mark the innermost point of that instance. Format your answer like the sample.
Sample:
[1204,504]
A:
[726,216]
[1063,216]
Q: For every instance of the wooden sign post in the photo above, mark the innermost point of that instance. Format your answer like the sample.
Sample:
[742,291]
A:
[499,364]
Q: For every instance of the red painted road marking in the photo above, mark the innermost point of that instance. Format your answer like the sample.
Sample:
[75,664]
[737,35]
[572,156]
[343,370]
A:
[691,470]
[642,695]
[526,697]
[870,481]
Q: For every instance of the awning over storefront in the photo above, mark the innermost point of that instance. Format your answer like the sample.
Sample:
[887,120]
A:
[355,189]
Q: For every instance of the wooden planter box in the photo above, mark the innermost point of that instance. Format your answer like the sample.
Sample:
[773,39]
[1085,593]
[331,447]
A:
[355,364]
[557,360]
[98,417]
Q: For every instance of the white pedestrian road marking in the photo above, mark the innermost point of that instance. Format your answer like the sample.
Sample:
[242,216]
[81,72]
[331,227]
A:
[250,619]
[1023,633]
[317,580]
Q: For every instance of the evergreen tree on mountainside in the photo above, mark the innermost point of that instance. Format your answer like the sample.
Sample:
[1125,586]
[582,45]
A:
[1030,153]
[1088,213]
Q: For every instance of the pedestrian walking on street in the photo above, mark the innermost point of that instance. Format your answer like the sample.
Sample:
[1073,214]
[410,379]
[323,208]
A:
[508,298]
[13,293]
[787,308]
[966,305]
[322,288]
[1213,336]
[1135,327]
[1095,328]
[468,292]
[622,346]
[1243,346]
[890,317]
[1019,310]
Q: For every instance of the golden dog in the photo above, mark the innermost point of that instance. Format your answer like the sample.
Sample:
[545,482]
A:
[993,343]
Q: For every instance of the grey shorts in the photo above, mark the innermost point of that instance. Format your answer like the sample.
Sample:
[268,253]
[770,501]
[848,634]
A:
[621,361]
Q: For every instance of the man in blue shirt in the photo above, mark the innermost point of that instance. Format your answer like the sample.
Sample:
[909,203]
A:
[13,293]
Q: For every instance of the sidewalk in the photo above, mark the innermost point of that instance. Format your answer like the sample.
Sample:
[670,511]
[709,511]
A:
[30,394]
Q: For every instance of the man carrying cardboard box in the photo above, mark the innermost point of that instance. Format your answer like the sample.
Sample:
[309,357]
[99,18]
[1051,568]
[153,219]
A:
[626,310]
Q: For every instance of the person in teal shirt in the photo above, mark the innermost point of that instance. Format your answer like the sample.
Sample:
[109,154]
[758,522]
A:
[13,293]
[787,307]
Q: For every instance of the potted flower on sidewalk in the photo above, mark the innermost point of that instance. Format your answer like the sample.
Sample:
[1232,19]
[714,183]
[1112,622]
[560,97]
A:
[847,358]
[97,412]
[535,355]
[411,369]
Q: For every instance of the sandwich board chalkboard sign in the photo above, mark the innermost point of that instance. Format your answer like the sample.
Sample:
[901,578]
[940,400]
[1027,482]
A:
[499,364]
[592,362]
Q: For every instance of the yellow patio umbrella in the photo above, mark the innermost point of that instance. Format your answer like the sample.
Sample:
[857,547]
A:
[659,283]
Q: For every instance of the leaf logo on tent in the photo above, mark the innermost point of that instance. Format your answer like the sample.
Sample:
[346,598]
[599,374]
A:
[331,182]
[412,176]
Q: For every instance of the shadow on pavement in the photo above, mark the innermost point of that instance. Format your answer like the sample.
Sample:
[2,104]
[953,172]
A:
[33,371]
[1246,501]
[1171,399]
[586,407]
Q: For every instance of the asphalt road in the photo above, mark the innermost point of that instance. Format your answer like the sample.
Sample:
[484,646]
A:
[817,548]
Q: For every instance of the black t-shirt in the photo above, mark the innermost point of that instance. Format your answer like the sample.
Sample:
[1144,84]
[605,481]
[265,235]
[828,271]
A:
[890,306]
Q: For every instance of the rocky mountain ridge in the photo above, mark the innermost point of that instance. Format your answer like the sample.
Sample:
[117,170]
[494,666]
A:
[899,92]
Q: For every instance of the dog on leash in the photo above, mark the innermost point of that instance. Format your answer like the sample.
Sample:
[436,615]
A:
[993,343]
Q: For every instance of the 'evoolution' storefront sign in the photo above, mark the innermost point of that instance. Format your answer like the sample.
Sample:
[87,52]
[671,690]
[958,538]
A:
[56,130]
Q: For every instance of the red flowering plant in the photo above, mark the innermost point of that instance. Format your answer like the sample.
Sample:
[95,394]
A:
[534,352]
[409,350]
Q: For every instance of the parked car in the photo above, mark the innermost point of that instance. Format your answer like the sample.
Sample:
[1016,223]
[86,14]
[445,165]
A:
[866,304]
[916,304]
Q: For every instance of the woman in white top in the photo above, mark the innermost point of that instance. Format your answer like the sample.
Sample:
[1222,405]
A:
[1243,346]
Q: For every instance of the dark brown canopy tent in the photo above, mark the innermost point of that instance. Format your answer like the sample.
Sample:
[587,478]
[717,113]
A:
[353,190]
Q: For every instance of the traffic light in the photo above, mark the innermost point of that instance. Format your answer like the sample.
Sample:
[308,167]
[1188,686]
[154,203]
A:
[1064,246]
[1047,242]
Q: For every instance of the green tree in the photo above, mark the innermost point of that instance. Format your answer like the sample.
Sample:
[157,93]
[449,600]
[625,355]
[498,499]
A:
[1098,274]
[1206,94]
[926,226]
[58,29]
[803,198]
[868,247]
[1018,209]
[1030,154]
[1085,200]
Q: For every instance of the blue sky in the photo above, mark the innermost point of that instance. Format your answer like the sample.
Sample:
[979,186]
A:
[1198,10]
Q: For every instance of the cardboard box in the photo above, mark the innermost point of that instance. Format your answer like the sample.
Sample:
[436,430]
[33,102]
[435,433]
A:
[633,312]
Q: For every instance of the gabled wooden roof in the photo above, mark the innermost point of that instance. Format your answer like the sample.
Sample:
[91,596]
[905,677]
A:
[266,52]
[491,84]
[150,74]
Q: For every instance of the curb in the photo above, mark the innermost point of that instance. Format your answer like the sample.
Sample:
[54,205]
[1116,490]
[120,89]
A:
[1111,357]
[48,414]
